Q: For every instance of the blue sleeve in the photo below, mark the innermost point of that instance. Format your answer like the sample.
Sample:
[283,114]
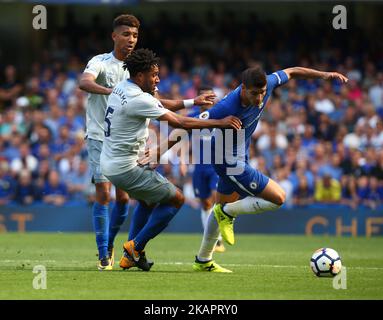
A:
[221,110]
[276,79]
[194,113]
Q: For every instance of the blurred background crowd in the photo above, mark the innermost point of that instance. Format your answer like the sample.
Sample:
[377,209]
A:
[321,141]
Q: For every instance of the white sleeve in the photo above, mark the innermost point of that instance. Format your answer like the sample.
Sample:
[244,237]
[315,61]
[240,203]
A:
[149,107]
[94,66]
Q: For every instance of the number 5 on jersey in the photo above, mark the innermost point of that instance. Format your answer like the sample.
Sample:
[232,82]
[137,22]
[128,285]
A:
[110,110]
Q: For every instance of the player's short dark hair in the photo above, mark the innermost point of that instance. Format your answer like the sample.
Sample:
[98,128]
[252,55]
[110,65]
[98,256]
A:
[204,88]
[140,60]
[254,77]
[126,20]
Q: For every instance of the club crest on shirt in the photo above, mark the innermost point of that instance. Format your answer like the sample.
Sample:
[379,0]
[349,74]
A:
[253,185]
[204,115]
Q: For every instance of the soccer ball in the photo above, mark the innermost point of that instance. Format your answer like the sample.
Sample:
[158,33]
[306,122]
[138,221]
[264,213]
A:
[325,262]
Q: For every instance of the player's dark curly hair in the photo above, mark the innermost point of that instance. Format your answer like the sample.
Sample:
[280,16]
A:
[126,20]
[254,77]
[140,60]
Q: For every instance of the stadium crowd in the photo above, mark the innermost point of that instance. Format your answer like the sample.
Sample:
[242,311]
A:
[321,141]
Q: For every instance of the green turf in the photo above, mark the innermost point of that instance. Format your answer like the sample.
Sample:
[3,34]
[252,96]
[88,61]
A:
[264,267]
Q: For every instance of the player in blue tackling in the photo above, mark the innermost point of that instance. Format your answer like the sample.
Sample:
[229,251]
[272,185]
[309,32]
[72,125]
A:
[241,188]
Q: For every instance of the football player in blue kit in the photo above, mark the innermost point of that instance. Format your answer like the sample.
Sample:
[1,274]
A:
[243,189]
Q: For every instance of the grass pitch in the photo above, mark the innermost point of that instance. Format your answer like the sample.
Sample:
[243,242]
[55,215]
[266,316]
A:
[264,267]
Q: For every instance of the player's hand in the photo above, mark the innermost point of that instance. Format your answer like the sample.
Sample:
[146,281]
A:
[205,99]
[334,75]
[149,158]
[231,122]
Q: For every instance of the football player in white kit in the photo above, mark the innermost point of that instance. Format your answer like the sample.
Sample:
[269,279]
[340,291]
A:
[102,73]
[130,108]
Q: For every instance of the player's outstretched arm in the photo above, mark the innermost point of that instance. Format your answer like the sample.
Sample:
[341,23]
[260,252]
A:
[174,105]
[178,121]
[307,73]
[88,83]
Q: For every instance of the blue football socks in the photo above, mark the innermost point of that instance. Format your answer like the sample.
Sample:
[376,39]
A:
[101,227]
[157,222]
[140,217]
[119,214]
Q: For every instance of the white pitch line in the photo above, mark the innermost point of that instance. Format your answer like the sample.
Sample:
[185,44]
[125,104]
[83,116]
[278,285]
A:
[188,263]
[269,266]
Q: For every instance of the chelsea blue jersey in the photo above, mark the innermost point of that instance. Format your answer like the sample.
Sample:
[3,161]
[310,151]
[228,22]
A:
[230,152]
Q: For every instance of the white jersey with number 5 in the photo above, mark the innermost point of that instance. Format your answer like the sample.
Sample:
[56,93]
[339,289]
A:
[127,120]
[109,72]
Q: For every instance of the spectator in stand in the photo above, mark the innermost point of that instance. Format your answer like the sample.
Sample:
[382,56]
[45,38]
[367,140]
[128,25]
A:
[41,135]
[308,140]
[375,194]
[40,177]
[63,143]
[301,169]
[10,89]
[378,169]
[368,162]
[303,194]
[326,130]
[376,92]
[363,191]
[271,144]
[333,167]
[79,180]
[352,164]
[327,190]
[7,184]
[25,161]
[282,178]
[26,192]
[9,125]
[322,103]
[55,192]
[349,194]
[12,151]
[33,93]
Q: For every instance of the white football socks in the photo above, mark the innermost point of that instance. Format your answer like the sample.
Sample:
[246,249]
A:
[249,205]
[204,216]
[210,237]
